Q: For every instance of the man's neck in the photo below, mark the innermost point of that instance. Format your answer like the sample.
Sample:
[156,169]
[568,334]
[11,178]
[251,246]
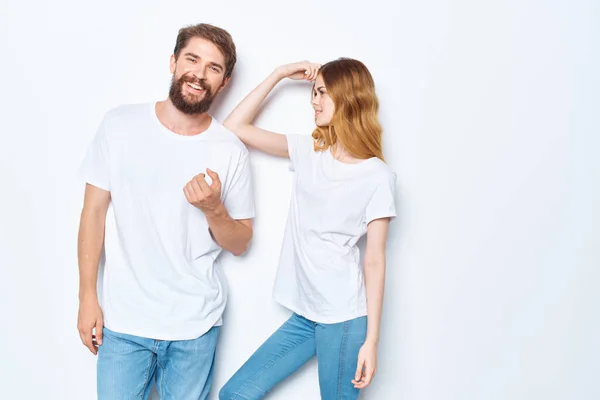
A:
[180,123]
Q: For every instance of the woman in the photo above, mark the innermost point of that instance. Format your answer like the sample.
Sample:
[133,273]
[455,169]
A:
[342,190]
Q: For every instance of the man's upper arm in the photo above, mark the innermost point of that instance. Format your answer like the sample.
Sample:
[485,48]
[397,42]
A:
[239,200]
[246,222]
[95,169]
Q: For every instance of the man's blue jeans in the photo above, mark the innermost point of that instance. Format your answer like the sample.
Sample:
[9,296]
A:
[127,366]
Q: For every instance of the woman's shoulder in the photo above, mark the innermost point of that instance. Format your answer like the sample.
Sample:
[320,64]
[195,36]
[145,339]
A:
[382,169]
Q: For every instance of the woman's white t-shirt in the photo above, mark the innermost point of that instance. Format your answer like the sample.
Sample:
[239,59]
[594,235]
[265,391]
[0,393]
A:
[319,274]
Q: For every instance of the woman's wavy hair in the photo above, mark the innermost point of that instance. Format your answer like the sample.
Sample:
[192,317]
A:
[354,123]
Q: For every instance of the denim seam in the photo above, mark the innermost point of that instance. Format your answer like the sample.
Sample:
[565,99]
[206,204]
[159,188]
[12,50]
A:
[162,378]
[342,359]
[265,368]
[147,377]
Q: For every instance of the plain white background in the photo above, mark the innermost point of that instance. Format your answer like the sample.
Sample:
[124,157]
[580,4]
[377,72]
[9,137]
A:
[491,121]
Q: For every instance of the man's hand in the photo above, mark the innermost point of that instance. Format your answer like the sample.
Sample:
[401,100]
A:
[90,318]
[199,194]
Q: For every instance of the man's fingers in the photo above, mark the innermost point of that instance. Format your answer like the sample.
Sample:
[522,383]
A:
[196,189]
[87,341]
[188,193]
[216,181]
[201,181]
[99,335]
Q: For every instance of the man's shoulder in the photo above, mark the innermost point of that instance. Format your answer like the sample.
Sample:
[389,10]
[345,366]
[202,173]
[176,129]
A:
[224,136]
[127,111]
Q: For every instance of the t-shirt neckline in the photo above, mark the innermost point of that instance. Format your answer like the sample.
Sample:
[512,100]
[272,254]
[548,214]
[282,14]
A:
[177,136]
[348,165]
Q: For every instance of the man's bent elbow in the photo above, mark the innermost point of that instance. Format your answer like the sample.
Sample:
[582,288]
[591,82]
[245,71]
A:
[240,250]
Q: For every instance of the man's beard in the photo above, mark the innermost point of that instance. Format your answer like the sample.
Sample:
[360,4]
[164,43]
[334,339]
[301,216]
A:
[182,101]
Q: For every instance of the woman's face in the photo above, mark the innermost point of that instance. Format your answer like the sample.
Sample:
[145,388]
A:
[322,103]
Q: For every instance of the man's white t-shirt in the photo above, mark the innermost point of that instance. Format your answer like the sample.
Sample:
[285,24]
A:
[163,281]
[319,274]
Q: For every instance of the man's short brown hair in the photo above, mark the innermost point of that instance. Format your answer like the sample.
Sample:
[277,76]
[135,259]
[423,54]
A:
[219,37]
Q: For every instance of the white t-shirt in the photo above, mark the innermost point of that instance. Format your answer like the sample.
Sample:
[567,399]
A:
[163,281]
[319,274]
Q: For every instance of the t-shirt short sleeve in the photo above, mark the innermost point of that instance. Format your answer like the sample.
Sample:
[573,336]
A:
[382,203]
[238,199]
[300,147]
[95,168]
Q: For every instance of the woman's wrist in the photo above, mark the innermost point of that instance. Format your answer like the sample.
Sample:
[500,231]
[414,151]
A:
[276,75]
[372,340]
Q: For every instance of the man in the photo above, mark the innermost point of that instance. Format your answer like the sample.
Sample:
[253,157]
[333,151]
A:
[179,184]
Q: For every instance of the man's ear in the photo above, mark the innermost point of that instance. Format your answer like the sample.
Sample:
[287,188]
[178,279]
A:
[173,64]
[225,82]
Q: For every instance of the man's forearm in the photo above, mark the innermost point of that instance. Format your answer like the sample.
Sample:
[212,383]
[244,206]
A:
[232,235]
[89,250]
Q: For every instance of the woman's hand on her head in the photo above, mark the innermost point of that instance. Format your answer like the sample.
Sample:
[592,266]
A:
[302,70]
